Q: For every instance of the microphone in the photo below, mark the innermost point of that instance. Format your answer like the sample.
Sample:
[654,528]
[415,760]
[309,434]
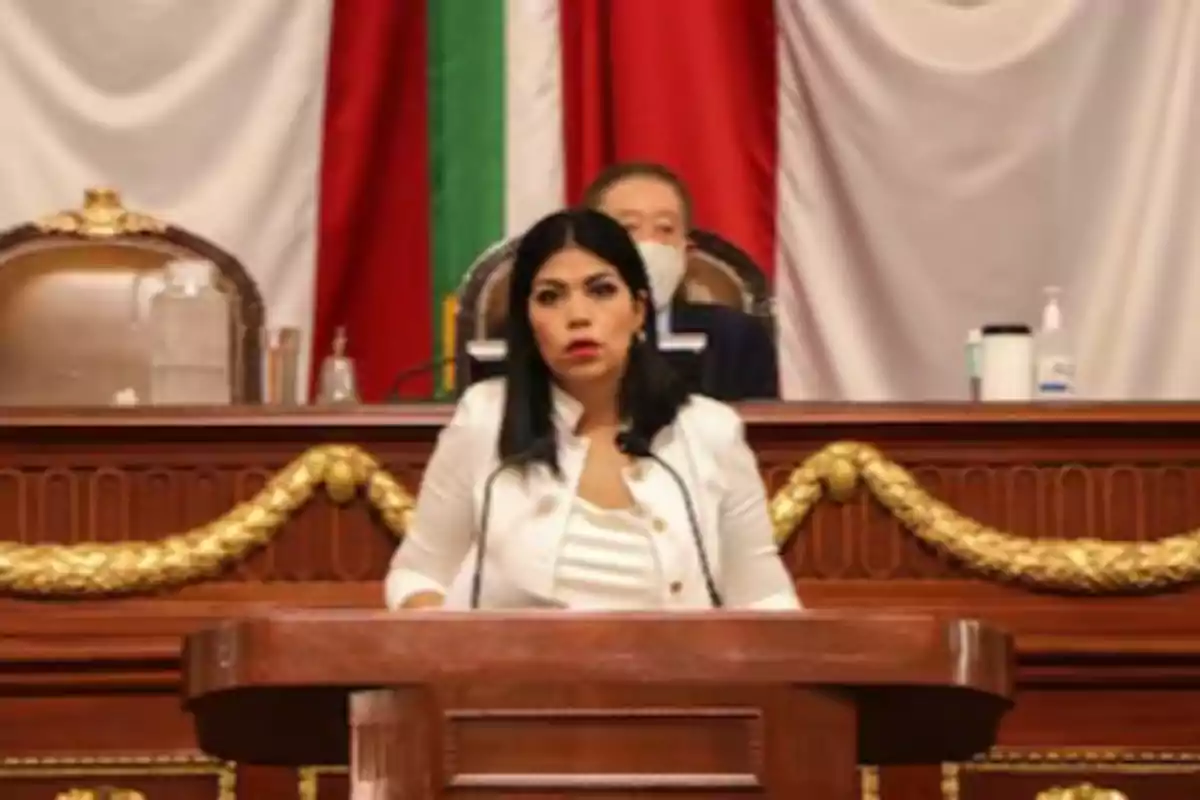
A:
[538,448]
[633,445]
[424,368]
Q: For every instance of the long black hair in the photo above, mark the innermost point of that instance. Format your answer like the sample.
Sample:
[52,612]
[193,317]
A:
[650,394]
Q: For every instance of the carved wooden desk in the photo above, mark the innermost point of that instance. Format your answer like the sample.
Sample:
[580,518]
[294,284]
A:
[513,704]
[1108,635]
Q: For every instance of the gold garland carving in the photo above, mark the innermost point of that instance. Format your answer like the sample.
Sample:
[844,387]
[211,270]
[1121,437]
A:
[1071,565]
[124,567]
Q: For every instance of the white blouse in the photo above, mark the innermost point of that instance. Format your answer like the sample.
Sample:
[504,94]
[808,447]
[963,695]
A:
[545,548]
[607,560]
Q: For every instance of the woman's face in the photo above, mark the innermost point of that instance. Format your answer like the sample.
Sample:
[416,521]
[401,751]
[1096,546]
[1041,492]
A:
[584,317]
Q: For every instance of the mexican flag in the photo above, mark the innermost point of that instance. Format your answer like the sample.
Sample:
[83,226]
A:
[529,99]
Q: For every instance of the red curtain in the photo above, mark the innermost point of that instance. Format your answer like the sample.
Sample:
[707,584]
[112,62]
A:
[373,254]
[688,83]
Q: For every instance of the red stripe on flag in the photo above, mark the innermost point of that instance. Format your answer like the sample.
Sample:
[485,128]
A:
[587,129]
[688,83]
[374,250]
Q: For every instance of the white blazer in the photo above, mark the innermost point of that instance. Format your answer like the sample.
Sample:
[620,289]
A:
[528,514]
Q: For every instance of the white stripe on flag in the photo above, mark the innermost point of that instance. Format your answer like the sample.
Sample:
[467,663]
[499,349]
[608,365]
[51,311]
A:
[535,182]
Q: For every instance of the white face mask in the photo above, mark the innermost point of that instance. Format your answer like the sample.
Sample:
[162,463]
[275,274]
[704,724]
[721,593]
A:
[665,266]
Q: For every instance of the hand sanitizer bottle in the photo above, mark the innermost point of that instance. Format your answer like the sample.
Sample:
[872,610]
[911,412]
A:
[1054,362]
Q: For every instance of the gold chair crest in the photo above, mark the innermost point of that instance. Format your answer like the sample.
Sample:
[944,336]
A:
[102,217]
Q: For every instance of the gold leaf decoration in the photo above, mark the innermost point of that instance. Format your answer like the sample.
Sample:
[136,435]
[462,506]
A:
[102,217]
[101,793]
[131,566]
[1068,565]
[1083,791]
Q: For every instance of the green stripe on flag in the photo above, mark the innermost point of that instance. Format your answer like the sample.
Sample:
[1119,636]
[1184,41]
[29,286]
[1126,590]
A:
[466,140]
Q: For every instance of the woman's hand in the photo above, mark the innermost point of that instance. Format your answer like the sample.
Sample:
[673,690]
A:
[423,600]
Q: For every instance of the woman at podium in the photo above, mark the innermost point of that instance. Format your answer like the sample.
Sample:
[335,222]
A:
[588,478]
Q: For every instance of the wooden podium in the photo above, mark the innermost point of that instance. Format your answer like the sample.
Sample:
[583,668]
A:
[564,704]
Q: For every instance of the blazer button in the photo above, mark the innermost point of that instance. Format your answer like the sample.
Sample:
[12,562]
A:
[676,587]
[658,525]
[546,505]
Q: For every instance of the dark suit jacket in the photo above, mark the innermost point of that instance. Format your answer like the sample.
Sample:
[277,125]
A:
[740,357]
[740,361]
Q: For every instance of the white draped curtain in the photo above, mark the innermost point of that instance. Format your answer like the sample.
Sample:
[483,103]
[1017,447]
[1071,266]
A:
[941,161]
[206,113]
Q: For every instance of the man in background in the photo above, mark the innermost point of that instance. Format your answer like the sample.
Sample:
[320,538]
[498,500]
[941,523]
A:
[655,207]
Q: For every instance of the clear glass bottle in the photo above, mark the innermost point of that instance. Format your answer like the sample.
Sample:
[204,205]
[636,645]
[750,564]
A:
[338,383]
[188,325]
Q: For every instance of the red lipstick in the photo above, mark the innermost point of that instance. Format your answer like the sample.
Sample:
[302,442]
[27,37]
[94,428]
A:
[583,348]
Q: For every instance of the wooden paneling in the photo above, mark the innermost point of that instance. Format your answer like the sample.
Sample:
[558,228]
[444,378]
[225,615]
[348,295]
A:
[1120,674]
[500,705]
[98,722]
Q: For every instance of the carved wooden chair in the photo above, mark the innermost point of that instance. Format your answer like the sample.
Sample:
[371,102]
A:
[69,311]
[717,272]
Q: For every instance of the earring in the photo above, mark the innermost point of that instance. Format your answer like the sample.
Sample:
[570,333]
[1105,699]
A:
[640,337]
